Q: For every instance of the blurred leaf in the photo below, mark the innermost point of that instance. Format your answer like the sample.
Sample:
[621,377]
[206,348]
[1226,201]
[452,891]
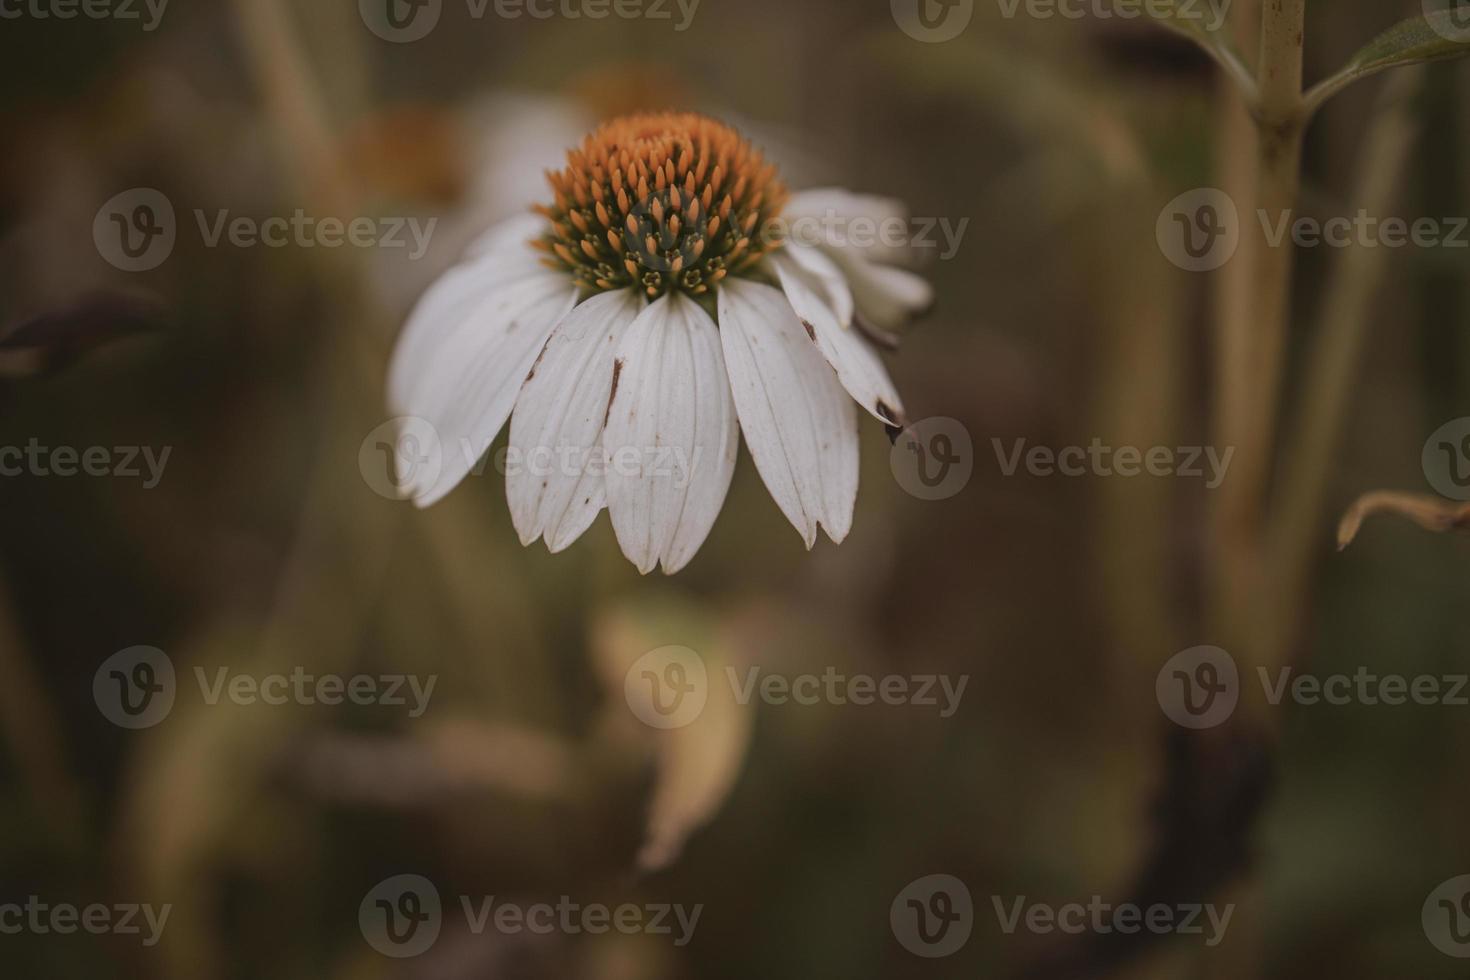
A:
[1430,513]
[1435,36]
[1184,17]
[50,341]
[699,761]
[1419,39]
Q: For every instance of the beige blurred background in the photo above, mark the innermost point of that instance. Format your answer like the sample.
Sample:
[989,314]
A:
[263,548]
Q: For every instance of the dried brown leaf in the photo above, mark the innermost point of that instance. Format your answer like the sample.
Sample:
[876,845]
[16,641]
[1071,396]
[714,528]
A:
[1430,513]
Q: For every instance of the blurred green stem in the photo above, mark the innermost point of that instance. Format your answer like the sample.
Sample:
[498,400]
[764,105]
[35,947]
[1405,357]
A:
[1296,526]
[1256,341]
[34,735]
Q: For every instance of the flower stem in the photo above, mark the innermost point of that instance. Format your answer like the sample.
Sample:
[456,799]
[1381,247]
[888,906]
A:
[1296,520]
[1254,346]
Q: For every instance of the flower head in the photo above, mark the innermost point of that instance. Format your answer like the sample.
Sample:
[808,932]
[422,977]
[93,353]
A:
[641,321]
[661,202]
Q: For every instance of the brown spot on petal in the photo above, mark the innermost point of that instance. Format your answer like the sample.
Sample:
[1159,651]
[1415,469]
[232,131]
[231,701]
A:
[617,373]
[886,412]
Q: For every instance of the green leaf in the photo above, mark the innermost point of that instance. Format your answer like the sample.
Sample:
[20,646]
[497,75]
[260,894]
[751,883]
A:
[1204,22]
[1435,36]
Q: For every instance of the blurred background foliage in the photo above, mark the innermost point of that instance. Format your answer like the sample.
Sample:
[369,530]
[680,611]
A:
[263,548]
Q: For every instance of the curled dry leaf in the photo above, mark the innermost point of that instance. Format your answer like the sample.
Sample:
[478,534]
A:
[1430,513]
[698,761]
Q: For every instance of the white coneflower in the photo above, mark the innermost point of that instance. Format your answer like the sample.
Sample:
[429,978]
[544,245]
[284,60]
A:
[632,322]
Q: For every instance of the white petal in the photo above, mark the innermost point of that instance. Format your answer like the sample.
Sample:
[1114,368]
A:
[798,422]
[829,274]
[466,383]
[558,422]
[588,498]
[826,203]
[887,297]
[671,435]
[857,365]
[511,232]
[447,306]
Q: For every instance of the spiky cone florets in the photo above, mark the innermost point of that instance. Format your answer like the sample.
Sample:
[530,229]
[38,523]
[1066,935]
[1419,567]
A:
[660,202]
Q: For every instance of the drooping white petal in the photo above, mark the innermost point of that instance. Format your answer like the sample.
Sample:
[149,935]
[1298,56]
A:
[823,204]
[799,423]
[857,365]
[553,480]
[466,381]
[886,296]
[671,435]
[827,219]
[834,282]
